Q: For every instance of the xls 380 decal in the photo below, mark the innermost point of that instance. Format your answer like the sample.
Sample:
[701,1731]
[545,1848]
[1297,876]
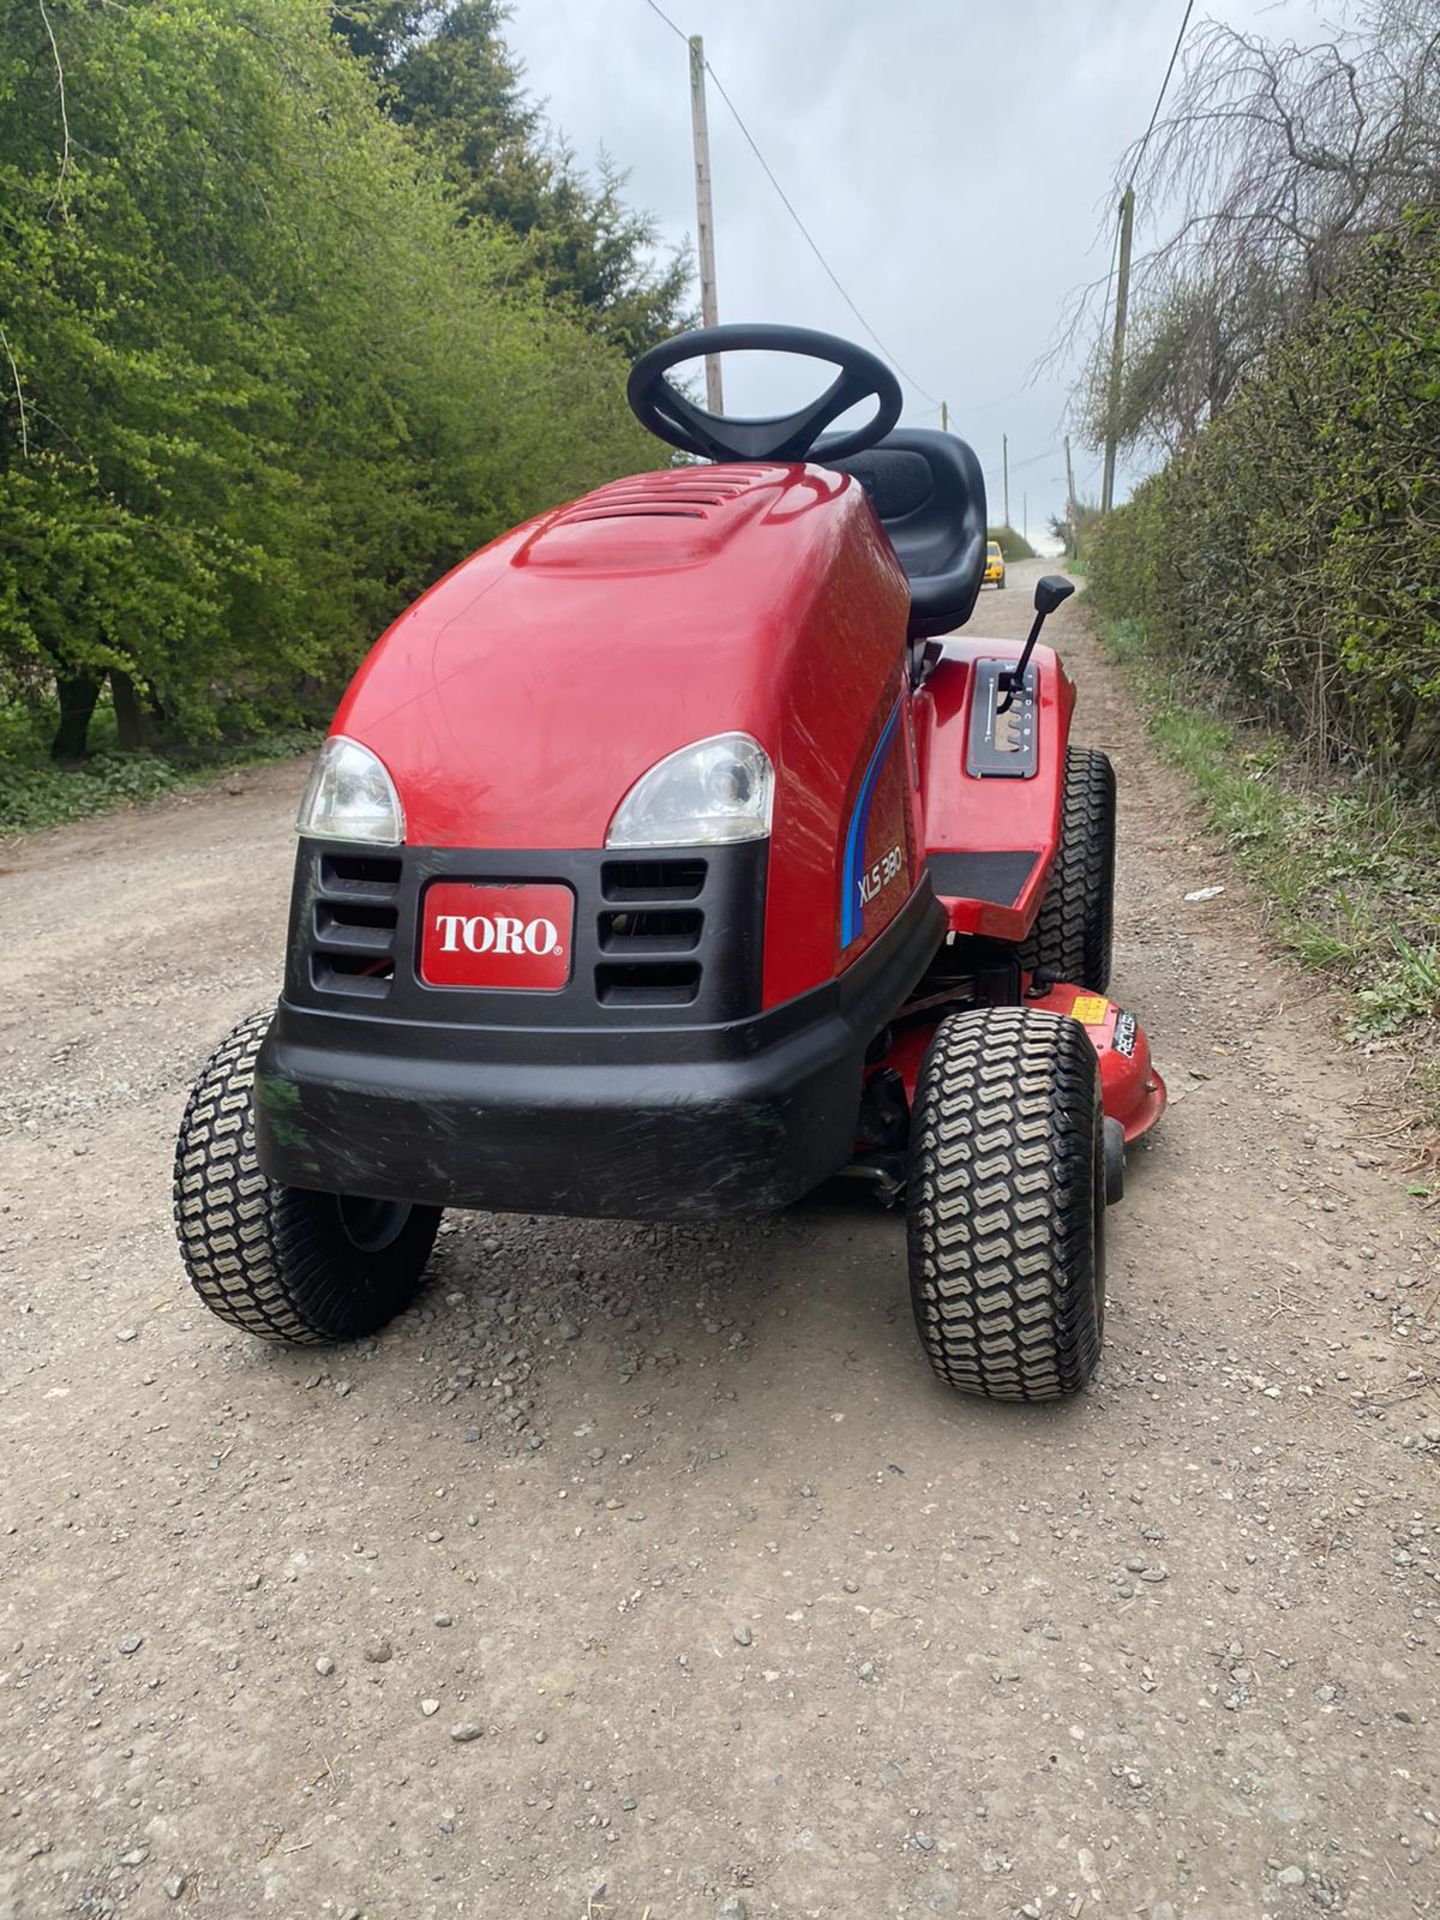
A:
[886,869]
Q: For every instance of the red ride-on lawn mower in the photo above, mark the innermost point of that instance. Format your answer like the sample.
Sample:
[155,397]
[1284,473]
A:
[664,861]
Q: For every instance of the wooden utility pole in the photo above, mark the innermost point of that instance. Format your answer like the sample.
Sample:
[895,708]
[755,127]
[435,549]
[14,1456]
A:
[704,218]
[1005,464]
[1071,518]
[944,417]
[1117,349]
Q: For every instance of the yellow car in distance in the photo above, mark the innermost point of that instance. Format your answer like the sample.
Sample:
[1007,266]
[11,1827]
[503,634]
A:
[994,563]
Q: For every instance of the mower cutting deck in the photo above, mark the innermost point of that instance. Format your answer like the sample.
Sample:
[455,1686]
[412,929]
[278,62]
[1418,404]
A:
[665,860]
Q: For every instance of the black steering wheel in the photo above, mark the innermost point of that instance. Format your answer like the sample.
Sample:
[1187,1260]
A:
[790,436]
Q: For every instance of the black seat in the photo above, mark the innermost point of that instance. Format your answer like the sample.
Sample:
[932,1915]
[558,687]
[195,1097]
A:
[929,492]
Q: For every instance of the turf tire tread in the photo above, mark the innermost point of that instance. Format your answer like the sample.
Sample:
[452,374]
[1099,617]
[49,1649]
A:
[1074,931]
[268,1259]
[1006,1209]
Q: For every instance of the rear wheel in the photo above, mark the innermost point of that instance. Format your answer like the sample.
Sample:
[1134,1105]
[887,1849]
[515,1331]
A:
[1074,931]
[286,1264]
[1006,1204]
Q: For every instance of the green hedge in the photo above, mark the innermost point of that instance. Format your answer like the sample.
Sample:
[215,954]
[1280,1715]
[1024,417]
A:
[259,381]
[1293,551]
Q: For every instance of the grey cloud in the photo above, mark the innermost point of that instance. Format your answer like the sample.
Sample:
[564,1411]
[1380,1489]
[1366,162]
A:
[952,161]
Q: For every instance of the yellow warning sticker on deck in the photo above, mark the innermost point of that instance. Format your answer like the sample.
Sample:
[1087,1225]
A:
[1090,1009]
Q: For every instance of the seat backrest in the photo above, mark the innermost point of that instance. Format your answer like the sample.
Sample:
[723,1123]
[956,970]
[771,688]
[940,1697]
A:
[929,492]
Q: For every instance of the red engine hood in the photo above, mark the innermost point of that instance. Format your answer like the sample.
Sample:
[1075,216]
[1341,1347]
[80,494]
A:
[519,699]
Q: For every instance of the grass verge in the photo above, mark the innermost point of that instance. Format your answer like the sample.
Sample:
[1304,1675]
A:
[1348,866]
[35,793]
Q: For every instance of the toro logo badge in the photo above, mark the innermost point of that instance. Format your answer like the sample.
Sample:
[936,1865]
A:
[492,935]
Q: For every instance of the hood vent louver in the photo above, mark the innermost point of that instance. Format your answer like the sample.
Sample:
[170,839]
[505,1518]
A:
[688,493]
[671,518]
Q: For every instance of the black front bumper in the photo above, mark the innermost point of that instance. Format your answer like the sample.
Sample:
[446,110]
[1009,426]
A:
[667,1120]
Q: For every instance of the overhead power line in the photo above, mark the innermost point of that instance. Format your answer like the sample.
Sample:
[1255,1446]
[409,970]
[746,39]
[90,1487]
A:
[1122,281]
[1032,459]
[668,21]
[1164,87]
[892,357]
[808,237]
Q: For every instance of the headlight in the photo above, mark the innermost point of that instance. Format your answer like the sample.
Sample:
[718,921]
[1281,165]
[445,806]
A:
[703,796]
[351,797]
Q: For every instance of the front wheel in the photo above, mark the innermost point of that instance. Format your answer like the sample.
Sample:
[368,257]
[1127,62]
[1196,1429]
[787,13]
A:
[1006,1204]
[286,1264]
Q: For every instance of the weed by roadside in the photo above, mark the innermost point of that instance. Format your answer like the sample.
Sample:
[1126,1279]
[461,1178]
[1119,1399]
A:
[1348,866]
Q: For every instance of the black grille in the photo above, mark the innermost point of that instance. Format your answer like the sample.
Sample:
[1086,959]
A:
[354,916]
[670,938]
[646,930]
[648,983]
[641,942]
[646,880]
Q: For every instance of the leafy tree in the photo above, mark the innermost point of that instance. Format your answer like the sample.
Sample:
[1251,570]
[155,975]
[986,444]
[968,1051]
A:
[1075,527]
[446,75]
[1012,543]
[259,384]
[1189,345]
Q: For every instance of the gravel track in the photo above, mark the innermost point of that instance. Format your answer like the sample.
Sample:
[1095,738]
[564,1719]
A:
[643,1570]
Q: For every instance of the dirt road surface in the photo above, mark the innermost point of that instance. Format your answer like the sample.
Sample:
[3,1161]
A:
[751,1615]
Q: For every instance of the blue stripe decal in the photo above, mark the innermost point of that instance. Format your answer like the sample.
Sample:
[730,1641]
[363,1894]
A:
[850,906]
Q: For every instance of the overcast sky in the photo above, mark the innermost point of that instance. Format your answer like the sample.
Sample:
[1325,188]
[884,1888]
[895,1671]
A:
[952,159]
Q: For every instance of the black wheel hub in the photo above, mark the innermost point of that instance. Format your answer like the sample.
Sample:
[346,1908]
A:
[371,1225]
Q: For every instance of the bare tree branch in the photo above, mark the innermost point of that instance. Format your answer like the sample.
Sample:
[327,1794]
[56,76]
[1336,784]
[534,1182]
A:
[64,116]
[1275,161]
[19,395]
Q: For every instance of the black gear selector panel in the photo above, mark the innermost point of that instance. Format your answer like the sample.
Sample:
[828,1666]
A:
[1001,744]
